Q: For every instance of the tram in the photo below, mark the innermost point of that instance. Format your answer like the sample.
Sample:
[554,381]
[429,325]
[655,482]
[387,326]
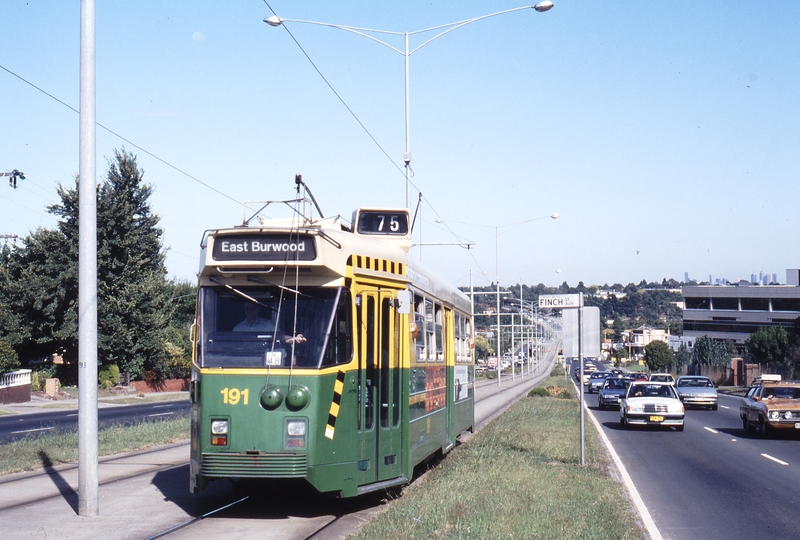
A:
[323,354]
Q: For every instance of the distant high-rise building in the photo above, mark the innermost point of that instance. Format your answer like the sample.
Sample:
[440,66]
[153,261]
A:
[753,278]
[686,277]
[774,278]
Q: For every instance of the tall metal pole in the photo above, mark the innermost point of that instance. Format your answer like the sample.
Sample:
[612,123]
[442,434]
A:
[407,155]
[497,273]
[580,359]
[88,501]
[472,323]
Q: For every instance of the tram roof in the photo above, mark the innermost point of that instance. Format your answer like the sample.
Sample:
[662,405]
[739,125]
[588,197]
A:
[228,252]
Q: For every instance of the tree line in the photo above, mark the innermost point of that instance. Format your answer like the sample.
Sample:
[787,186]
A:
[629,306]
[143,318]
[776,347]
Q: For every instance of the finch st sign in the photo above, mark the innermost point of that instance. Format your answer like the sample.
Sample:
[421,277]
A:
[559,301]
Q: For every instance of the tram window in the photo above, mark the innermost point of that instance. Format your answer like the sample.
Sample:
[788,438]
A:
[386,372]
[459,319]
[429,328]
[369,397]
[419,320]
[235,332]
[396,376]
[339,346]
[439,334]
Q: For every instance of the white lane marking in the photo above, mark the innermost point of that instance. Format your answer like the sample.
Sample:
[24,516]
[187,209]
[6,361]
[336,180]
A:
[776,460]
[31,430]
[162,406]
[161,414]
[73,414]
[711,430]
[724,407]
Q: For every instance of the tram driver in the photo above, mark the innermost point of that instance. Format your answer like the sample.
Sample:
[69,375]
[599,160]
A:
[253,323]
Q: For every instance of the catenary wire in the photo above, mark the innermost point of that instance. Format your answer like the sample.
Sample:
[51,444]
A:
[168,164]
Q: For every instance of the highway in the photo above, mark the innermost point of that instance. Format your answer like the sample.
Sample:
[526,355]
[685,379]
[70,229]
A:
[713,480]
[17,426]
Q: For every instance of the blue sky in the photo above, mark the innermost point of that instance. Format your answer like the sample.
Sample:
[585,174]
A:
[664,134]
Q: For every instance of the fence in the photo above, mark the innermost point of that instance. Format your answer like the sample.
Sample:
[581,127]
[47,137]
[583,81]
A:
[15,386]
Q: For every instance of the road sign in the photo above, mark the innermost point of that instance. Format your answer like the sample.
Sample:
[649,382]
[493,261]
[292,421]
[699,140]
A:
[590,335]
[559,301]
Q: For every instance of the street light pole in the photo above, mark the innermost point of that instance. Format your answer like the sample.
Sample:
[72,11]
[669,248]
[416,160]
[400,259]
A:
[274,20]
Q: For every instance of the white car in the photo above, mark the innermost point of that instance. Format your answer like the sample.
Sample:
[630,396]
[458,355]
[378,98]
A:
[651,404]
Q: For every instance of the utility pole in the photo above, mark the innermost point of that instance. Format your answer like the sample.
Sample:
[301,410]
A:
[15,175]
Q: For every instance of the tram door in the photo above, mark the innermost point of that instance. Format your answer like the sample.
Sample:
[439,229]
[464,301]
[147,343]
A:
[379,426]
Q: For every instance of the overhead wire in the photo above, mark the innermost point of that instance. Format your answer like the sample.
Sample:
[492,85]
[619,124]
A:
[112,132]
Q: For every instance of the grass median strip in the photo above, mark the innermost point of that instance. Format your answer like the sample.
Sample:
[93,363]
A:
[519,477]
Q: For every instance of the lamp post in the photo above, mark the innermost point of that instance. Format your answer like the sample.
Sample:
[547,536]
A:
[443,29]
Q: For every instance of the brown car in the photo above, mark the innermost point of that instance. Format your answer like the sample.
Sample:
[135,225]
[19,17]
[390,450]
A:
[771,404]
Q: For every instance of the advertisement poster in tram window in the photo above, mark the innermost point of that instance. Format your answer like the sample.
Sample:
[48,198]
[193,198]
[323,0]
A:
[462,378]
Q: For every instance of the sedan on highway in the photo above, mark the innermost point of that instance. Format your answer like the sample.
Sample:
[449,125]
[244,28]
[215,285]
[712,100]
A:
[697,391]
[612,391]
[771,405]
[651,404]
[596,381]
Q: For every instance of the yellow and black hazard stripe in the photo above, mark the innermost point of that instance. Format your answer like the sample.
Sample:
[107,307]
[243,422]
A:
[338,388]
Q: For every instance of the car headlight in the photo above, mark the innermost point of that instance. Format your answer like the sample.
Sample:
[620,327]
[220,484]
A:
[774,415]
[635,407]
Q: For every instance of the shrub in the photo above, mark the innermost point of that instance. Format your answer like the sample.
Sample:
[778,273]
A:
[539,391]
[36,382]
[108,375]
[8,357]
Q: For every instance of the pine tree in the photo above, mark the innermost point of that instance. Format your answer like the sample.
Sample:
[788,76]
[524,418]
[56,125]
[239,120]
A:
[131,276]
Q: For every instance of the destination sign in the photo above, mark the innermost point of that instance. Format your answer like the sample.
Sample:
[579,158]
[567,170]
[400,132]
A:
[264,247]
[559,301]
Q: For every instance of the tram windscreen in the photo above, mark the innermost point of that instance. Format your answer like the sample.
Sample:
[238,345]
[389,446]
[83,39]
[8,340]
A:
[263,327]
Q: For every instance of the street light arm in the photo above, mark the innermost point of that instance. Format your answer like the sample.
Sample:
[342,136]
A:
[277,21]
[456,25]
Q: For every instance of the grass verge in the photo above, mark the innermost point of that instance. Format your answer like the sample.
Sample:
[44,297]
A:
[35,452]
[519,477]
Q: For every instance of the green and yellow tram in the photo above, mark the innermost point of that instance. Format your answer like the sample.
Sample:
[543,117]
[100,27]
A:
[323,354]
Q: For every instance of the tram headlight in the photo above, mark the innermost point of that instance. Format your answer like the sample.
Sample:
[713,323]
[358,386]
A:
[296,432]
[219,433]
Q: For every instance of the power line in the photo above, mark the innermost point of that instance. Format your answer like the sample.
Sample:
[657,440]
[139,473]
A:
[109,130]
